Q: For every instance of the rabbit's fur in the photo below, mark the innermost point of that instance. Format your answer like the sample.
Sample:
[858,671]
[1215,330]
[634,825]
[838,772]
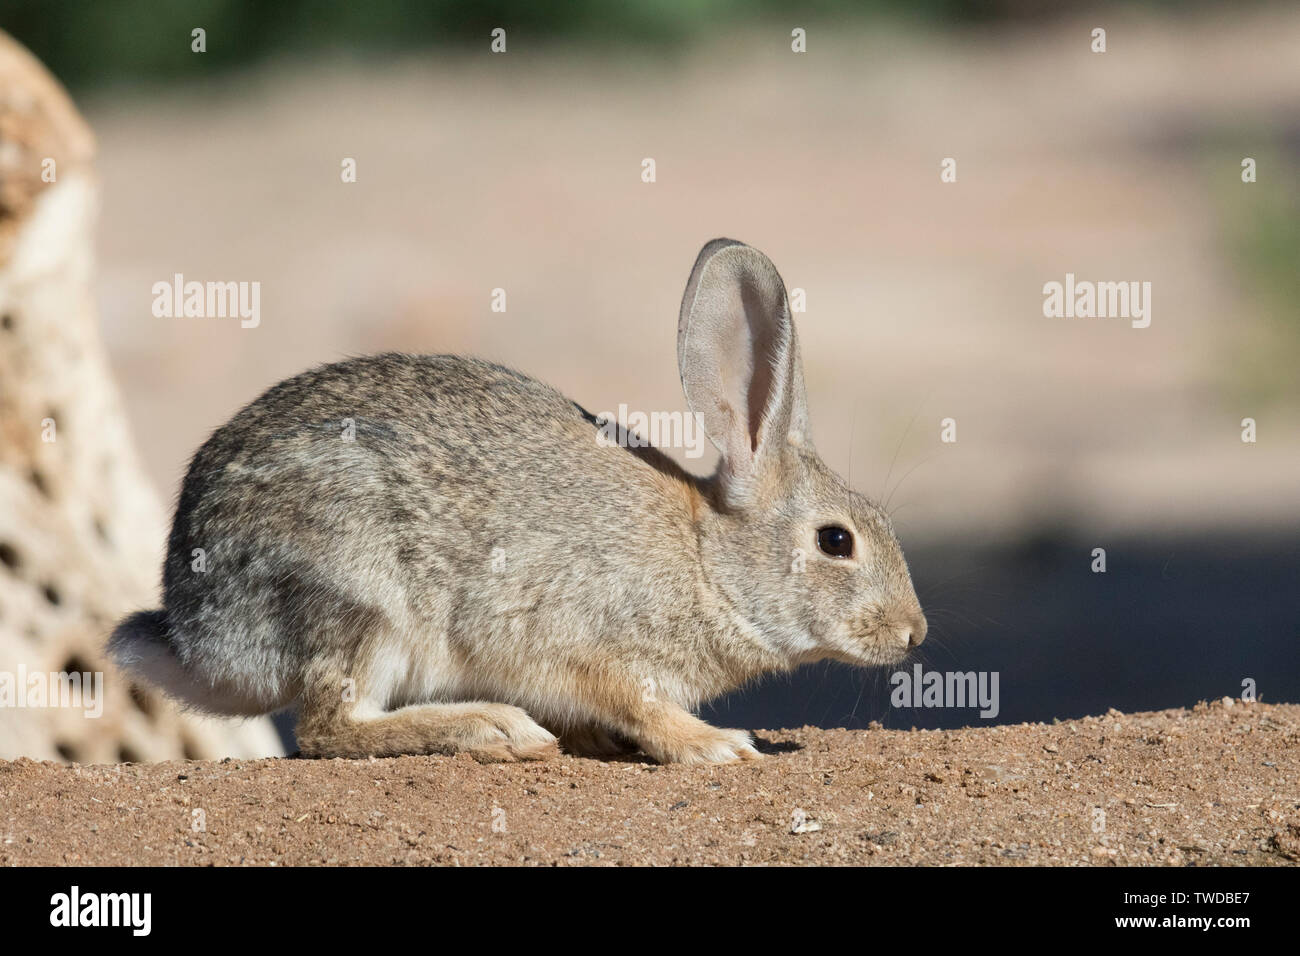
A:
[475,566]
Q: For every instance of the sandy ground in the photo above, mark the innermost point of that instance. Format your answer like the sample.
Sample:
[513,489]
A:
[1216,785]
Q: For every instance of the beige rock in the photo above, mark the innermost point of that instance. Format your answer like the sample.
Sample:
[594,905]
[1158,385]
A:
[81,530]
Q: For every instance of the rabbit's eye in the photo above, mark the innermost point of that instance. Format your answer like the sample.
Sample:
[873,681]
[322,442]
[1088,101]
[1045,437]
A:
[835,541]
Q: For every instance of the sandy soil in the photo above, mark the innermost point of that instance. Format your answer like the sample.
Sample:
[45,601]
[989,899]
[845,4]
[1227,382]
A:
[1216,785]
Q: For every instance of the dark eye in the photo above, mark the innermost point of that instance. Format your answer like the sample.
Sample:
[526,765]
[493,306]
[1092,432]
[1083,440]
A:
[835,541]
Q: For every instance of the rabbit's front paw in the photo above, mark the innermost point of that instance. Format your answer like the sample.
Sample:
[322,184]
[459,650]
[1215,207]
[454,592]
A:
[704,744]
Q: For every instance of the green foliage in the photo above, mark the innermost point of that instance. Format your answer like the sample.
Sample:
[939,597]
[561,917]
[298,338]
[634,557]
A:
[90,42]
[1261,232]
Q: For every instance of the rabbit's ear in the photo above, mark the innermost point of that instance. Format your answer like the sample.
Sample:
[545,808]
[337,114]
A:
[739,360]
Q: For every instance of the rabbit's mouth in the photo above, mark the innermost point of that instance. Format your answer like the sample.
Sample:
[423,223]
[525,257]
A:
[876,645]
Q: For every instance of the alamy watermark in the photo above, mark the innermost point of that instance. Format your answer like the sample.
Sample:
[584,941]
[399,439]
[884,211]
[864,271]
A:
[42,689]
[660,429]
[956,689]
[131,911]
[208,300]
[1084,299]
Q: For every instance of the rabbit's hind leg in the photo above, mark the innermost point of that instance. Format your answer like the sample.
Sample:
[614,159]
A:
[488,732]
[340,716]
[357,675]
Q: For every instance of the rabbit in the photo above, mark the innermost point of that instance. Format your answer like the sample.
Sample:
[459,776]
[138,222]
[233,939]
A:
[436,554]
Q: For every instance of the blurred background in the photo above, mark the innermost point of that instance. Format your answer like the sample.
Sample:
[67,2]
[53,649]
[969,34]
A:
[523,171]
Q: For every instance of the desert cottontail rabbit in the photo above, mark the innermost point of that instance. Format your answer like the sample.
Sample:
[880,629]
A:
[433,554]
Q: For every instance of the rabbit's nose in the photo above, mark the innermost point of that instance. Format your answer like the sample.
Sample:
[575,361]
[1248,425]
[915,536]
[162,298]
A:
[912,633]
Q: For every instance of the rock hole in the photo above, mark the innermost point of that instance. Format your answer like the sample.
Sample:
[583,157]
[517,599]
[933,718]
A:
[9,556]
[190,751]
[7,322]
[76,664]
[126,754]
[37,479]
[52,594]
[142,701]
[101,531]
[67,751]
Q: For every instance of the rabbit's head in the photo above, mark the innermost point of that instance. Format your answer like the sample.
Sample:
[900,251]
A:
[813,566]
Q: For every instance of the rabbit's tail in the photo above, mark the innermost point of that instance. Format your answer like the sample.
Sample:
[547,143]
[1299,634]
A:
[140,646]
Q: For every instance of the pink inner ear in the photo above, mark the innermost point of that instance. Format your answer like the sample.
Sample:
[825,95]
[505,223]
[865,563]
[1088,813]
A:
[761,346]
